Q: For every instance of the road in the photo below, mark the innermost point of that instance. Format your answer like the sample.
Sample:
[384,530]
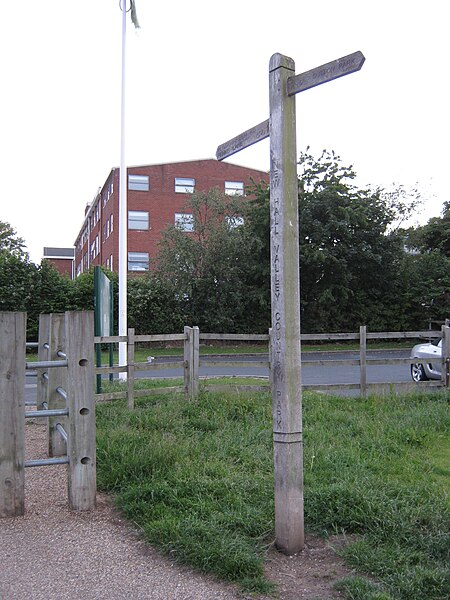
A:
[311,375]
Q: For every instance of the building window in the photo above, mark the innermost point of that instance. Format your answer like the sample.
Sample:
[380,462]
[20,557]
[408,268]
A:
[138,219]
[138,261]
[111,262]
[94,249]
[139,183]
[234,222]
[184,185]
[184,221]
[85,236]
[234,188]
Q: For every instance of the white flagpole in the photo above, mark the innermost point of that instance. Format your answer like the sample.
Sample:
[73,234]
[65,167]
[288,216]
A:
[123,216]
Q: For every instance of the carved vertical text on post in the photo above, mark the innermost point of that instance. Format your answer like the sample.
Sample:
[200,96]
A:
[285,291]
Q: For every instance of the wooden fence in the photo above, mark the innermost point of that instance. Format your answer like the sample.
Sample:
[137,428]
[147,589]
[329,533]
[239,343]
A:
[192,360]
[65,398]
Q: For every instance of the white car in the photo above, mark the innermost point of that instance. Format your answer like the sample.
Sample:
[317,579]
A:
[429,366]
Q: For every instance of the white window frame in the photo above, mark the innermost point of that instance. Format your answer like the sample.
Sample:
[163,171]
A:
[184,185]
[234,222]
[234,188]
[138,183]
[138,220]
[138,262]
[184,221]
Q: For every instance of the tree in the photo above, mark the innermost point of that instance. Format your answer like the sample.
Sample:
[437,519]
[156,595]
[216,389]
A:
[350,249]
[10,243]
[17,282]
[425,289]
[154,305]
[51,292]
[208,267]
[435,235]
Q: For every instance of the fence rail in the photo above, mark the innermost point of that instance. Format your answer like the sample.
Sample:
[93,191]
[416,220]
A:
[193,361]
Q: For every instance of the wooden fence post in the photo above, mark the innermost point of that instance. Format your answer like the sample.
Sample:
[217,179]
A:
[81,445]
[191,361]
[196,359]
[12,413]
[363,360]
[187,359]
[445,370]
[130,372]
[57,379]
[43,354]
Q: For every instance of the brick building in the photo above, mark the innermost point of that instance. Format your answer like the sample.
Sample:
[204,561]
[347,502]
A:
[156,198]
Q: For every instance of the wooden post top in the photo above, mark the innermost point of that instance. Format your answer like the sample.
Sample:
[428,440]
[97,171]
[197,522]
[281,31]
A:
[278,60]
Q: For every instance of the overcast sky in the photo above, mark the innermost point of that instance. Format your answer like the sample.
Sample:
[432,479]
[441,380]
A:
[197,75]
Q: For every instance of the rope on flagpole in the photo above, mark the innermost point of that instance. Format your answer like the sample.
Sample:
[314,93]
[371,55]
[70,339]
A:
[131,10]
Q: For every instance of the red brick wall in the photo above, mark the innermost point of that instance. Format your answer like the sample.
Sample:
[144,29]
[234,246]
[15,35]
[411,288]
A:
[62,265]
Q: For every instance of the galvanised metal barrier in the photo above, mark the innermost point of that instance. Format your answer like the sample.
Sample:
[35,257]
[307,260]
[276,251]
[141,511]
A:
[65,396]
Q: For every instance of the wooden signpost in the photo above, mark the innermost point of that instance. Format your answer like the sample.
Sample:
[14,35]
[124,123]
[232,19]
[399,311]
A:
[285,278]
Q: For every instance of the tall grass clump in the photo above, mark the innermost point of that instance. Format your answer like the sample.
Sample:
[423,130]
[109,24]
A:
[197,477]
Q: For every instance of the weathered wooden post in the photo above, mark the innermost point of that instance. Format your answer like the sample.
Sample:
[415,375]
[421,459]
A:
[57,384]
[130,369]
[81,444]
[285,294]
[285,331]
[363,360]
[12,413]
[445,369]
[191,361]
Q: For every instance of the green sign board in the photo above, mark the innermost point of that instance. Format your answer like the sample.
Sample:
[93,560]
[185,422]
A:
[102,303]
[103,316]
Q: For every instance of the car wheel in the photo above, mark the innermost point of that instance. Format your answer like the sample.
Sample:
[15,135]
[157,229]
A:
[418,372]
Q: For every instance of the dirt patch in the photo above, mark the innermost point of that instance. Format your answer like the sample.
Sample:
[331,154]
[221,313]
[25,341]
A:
[310,574]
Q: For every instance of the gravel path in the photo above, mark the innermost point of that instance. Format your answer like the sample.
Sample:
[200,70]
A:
[53,553]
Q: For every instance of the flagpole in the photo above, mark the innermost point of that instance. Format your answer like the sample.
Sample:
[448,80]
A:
[123,220]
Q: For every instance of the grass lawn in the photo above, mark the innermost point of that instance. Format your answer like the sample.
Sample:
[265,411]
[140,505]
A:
[197,478]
